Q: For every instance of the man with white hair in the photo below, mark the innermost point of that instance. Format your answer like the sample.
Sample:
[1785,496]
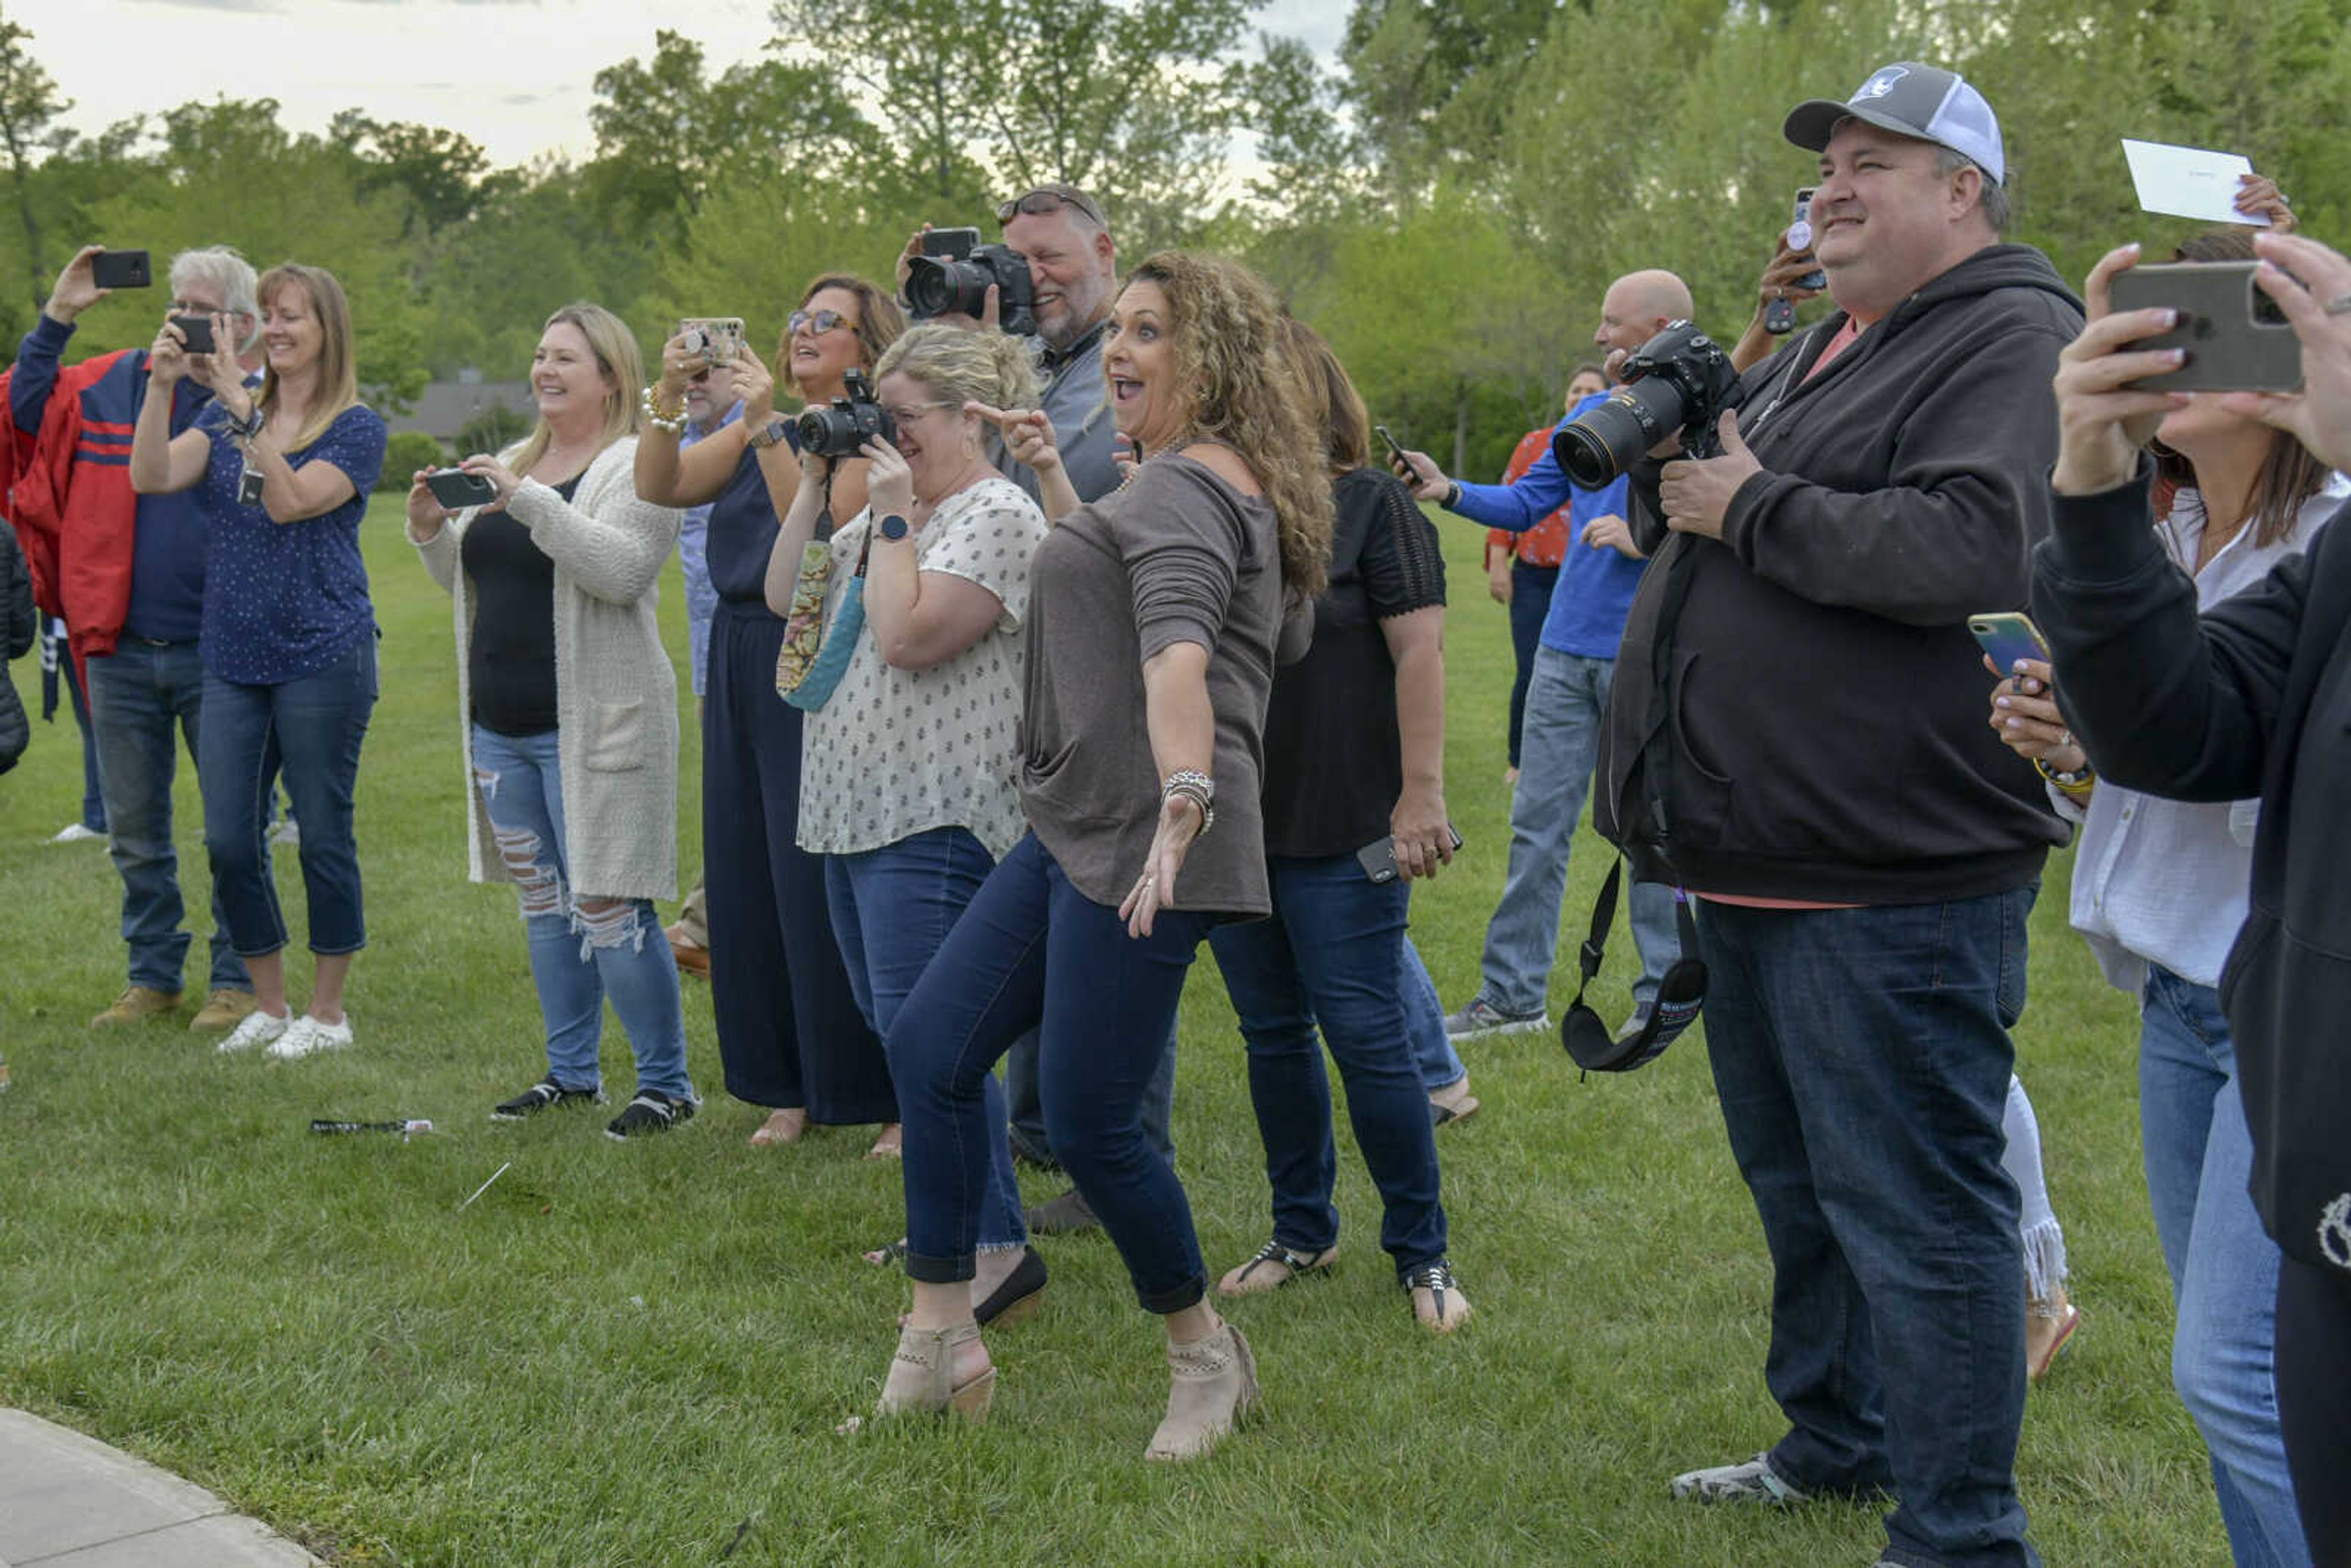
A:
[127,572]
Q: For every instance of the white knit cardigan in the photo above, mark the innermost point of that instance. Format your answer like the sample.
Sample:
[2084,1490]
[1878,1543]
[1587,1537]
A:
[615,694]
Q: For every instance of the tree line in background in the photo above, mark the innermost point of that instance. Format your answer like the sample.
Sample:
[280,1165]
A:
[1447,200]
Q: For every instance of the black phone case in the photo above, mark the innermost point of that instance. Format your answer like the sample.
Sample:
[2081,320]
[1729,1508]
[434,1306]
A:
[2230,346]
[1378,857]
[456,489]
[120,269]
[198,332]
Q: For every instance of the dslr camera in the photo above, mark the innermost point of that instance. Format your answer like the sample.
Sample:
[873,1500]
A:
[952,276]
[843,428]
[1680,381]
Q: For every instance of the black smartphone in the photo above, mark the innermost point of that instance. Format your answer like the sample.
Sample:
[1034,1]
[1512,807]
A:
[120,269]
[2236,337]
[1815,280]
[955,245]
[1378,857]
[196,332]
[456,489]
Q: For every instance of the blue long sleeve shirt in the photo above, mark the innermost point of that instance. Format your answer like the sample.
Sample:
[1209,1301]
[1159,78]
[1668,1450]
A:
[167,542]
[1594,591]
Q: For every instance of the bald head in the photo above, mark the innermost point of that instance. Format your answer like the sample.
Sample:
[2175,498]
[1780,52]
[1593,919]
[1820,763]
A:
[1637,308]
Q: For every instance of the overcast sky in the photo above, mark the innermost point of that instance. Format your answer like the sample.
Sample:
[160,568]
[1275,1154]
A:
[516,76]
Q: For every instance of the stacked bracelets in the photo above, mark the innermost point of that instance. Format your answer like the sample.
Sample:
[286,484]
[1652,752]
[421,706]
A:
[249,427]
[2077,783]
[672,423]
[1195,787]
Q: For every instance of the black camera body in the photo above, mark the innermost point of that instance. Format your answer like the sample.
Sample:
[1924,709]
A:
[843,428]
[1680,381]
[953,275]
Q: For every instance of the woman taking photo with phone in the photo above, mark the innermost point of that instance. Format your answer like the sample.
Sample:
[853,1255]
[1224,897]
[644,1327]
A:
[1153,621]
[567,710]
[790,1034]
[906,767]
[2159,891]
[289,633]
[1355,755]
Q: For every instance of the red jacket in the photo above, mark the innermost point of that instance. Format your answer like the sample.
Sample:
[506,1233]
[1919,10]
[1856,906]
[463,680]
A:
[70,497]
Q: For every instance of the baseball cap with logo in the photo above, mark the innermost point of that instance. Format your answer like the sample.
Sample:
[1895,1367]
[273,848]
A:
[1924,101]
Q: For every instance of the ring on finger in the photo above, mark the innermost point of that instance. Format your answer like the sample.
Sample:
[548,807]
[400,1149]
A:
[2338,306]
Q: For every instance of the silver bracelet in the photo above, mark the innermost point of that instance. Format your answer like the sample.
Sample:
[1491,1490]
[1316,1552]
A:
[1195,787]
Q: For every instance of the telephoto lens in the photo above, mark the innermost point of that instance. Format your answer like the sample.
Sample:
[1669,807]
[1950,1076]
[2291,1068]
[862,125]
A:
[1611,437]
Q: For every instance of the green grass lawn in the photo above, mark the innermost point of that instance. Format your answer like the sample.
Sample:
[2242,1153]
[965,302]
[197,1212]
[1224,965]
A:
[637,1353]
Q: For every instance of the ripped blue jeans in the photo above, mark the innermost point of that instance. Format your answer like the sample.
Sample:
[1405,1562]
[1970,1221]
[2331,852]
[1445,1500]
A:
[584,948]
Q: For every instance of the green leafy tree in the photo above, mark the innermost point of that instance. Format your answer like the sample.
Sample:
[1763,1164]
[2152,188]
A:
[30,105]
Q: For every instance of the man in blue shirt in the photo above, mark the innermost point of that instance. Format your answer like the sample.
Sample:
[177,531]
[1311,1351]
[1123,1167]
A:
[153,681]
[1567,694]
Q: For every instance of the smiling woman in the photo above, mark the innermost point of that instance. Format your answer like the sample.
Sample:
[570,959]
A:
[288,639]
[569,711]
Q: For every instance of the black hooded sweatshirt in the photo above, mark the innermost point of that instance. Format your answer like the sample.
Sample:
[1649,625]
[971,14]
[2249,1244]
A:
[1799,712]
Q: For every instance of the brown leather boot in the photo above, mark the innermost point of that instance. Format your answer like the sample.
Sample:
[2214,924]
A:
[135,1003]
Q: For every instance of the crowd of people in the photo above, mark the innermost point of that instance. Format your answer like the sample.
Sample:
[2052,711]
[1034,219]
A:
[1027,668]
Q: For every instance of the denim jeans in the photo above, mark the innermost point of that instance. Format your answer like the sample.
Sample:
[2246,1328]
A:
[1566,697]
[312,727]
[2223,1266]
[892,910]
[1531,591]
[1424,1023]
[1862,1058]
[1032,950]
[1024,1101]
[576,961]
[140,695]
[1331,953]
[93,780]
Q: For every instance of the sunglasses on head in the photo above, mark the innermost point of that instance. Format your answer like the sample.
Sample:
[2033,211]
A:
[1596,1048]
[1050,199]
[816,321]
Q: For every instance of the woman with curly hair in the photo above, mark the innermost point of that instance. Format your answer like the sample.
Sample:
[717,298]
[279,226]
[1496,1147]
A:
[1153,616]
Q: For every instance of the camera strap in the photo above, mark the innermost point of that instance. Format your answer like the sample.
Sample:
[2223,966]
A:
[1586,1037]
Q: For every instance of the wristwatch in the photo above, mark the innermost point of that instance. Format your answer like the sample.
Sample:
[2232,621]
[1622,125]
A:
[893,527]
[772,433]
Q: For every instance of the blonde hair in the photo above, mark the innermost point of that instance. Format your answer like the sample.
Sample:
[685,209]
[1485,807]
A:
[962,366]
[1227,338]
[615,348]
[338,370]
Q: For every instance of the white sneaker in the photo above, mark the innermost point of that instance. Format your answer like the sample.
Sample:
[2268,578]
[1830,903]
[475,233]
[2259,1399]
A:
[258,1028]
[75,833]
[306,1034]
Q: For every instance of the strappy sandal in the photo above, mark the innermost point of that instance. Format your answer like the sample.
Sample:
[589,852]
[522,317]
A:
[1272,1266]
[1437,1300]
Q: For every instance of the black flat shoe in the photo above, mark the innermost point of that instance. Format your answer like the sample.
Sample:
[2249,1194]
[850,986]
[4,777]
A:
[1018,1296]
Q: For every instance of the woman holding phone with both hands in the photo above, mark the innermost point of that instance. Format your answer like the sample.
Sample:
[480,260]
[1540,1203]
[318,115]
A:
[790,1033]
[569,713]
[288,632]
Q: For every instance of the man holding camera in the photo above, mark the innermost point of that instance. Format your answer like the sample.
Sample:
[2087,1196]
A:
[128,573]
[1796,736]
[1566,693]
[1062,235]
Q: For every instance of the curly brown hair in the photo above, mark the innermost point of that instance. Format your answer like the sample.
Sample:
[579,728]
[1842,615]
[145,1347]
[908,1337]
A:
[1227,338]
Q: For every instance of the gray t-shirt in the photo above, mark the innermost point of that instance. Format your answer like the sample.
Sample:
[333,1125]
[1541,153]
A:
[1082,427]
[1178,555]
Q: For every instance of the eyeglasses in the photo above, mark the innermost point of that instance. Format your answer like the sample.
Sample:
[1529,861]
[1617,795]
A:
[903,412]
[818,321]
[1050,199]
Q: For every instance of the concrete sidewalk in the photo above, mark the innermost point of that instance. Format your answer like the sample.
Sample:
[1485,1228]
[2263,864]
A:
[71,1501]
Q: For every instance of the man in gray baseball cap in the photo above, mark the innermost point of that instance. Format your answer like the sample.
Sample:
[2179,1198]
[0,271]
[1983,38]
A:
[1795,735]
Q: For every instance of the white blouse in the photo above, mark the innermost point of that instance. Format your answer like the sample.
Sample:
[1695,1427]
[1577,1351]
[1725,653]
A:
[894,752]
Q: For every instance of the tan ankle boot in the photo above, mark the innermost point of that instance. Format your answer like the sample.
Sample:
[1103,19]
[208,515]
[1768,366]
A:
[922,1375]
[1214,1380]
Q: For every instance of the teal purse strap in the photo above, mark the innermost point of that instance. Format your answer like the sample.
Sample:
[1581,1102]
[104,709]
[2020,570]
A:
[842,630]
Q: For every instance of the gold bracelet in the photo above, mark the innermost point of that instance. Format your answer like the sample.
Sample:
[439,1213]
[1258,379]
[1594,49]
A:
[673,423]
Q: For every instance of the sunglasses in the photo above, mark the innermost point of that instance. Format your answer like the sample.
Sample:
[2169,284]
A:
[1050,199]
[1586,1035]
[818,321]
